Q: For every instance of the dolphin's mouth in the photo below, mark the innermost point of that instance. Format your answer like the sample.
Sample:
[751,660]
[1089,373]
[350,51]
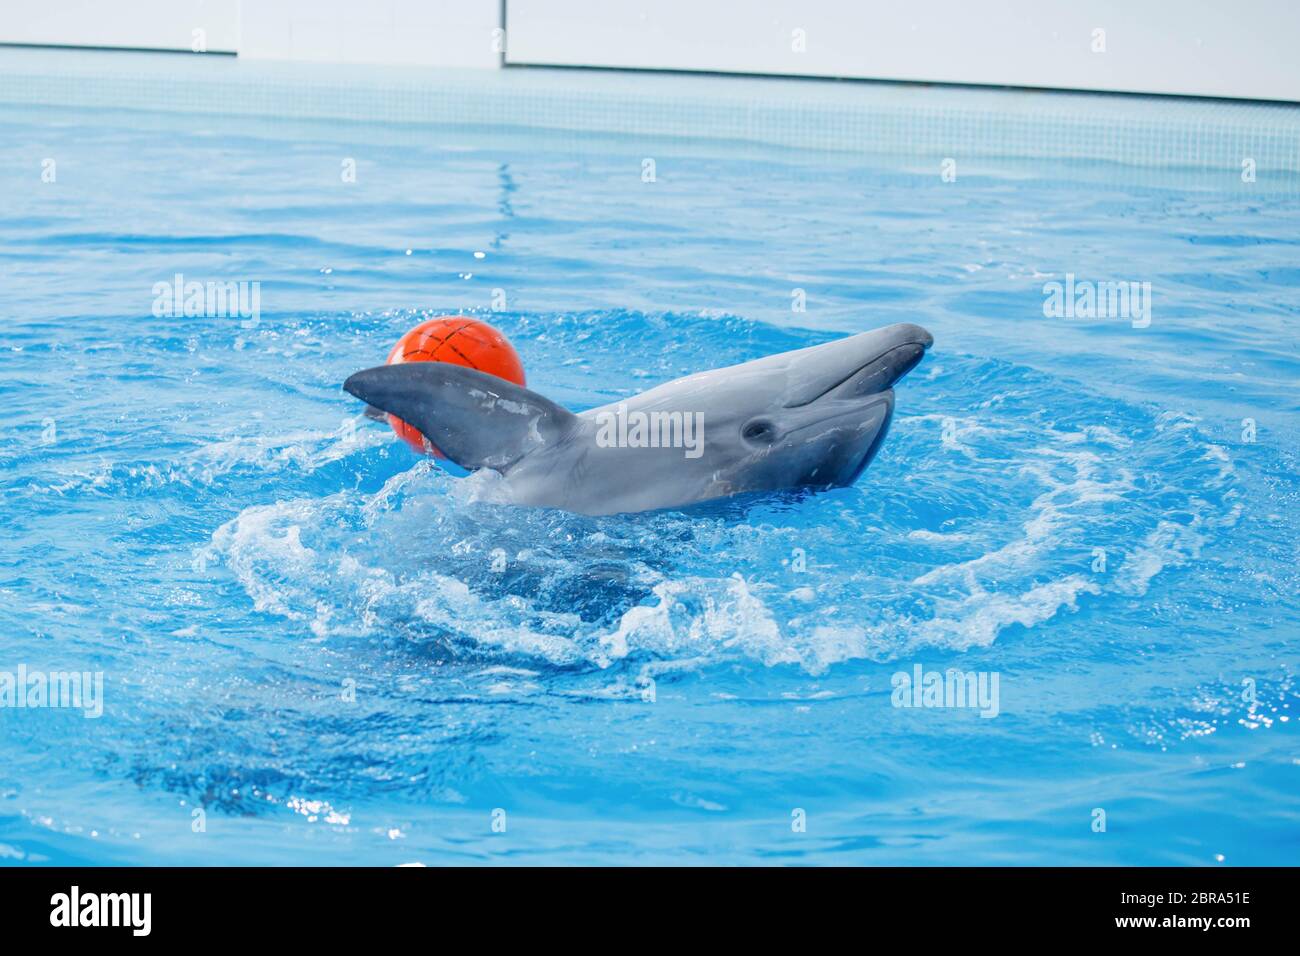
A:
[874,375]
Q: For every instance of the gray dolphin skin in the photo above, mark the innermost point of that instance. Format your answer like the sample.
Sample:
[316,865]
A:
[813,417]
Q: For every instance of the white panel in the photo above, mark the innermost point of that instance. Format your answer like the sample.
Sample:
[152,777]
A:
[450,33]
[1246,48]
[137,24]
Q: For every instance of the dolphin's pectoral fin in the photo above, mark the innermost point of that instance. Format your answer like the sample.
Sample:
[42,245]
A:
[475,419]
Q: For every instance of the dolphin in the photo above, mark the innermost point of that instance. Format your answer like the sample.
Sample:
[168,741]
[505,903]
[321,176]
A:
[813,417]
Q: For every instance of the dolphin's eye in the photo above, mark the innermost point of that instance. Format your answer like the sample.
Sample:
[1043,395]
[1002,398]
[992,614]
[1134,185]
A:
[759,431]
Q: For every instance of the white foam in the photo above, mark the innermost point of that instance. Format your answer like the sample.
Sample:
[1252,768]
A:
[976,619]
[1096,434]
[307,451]
[1169,544]
[1051,514]
[269,535]
[938,537]
[731,617]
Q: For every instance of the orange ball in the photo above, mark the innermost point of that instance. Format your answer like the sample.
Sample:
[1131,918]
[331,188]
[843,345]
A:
[459,340]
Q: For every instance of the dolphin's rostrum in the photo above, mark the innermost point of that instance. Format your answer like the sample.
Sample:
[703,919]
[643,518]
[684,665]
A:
[814,417]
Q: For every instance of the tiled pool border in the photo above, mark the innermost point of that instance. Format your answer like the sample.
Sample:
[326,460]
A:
[851,116]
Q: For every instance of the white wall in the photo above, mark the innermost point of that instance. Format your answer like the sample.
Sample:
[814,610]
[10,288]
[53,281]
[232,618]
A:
[1231,48]
[140,24]
[450,33]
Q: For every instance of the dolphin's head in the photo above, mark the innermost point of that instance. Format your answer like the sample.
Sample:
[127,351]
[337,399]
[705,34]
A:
[811,417]
[839,402]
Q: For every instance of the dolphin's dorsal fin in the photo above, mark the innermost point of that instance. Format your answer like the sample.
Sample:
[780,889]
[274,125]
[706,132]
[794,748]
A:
[475,419]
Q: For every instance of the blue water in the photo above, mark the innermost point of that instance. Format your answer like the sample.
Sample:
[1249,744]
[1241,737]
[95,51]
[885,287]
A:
[195,508]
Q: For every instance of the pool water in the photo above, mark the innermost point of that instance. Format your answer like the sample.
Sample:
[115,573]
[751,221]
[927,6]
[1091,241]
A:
[318,648]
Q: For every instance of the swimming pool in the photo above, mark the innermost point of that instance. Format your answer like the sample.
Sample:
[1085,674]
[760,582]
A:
[318,649]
